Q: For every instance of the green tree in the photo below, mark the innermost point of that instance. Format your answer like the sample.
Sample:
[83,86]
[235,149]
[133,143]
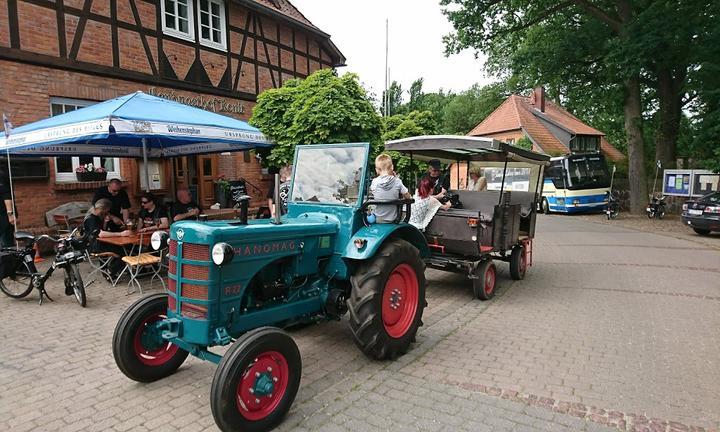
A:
[524,143]
[393,101]
[470,107]
[322,108]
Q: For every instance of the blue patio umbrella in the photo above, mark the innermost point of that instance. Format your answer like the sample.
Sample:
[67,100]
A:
[135,125]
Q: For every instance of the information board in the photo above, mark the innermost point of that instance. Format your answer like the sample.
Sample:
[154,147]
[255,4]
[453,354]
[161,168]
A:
[677,182]
[705,182]
[237,190]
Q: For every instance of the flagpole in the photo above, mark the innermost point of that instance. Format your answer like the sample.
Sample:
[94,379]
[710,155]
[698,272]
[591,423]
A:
[8,126]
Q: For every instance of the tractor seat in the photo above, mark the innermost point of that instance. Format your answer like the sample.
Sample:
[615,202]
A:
[24,235]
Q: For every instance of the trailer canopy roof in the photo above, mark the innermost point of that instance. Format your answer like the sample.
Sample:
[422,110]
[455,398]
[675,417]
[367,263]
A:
[451,148]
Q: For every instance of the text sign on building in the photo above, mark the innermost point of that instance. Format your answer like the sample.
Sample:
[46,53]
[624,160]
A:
[202,102]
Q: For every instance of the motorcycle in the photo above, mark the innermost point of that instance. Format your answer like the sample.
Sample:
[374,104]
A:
[656,208]
[612,208]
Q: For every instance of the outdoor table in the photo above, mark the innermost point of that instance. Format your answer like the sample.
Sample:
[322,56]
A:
[128,243]
[220,214]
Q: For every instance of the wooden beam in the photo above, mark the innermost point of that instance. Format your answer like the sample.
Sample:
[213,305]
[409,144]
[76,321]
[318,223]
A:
[80,30]
[138,22]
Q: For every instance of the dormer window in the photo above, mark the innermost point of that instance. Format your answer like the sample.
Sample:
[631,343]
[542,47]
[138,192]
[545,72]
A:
[585,143]
[212,23]
[178,18]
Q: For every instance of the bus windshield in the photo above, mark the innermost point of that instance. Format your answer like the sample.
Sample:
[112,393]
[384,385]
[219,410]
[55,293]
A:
[587,172]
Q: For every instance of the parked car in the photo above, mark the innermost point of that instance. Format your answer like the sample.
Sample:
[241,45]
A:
[703,214]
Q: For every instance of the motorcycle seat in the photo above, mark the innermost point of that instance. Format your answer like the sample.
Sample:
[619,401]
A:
[24,235]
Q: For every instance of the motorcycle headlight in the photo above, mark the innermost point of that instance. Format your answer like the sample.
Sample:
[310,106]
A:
[222,253]
[159,240]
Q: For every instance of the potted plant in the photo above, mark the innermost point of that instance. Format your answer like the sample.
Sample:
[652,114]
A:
[222,191]
[88,172]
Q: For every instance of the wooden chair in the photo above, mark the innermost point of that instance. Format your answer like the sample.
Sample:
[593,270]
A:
[135,263]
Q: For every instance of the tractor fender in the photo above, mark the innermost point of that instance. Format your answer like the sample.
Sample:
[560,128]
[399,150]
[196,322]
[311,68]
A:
[375,235]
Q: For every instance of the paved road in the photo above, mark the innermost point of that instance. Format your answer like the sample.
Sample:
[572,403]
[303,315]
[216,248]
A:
[612,329]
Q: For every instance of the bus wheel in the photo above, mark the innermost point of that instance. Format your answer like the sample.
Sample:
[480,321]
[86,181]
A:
[544,206]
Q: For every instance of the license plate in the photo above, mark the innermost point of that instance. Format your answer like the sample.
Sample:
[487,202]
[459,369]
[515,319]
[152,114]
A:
[695,212]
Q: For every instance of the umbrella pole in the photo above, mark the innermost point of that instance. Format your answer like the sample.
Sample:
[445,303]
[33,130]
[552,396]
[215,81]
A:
[145,164]
[12,196]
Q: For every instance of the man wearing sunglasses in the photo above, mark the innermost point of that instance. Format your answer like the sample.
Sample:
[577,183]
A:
[120,205]
[152,216]
[440,182]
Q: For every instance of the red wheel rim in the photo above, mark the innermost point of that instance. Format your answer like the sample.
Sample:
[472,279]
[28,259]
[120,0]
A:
[490,279]
[399,302]
[152,356]
[262,386]
[522,261]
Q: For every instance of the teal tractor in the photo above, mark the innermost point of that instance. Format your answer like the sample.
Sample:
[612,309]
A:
[239,283]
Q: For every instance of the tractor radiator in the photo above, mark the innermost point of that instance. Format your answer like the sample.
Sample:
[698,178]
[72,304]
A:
[186,292]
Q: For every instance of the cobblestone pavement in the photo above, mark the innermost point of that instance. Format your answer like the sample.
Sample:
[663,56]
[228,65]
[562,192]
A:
[611,329]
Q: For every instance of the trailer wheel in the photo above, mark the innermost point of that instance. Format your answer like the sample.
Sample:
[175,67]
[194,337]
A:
[387,300]
[484,284]
[139,351]
[518,265]
[256,381]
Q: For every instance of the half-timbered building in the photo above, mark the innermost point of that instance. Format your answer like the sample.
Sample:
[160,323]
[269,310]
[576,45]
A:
[61,55]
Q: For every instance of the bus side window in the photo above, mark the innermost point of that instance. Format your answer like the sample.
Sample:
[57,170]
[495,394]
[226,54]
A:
[555,173]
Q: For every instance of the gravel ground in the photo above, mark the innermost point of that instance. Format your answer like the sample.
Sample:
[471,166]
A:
[670,226]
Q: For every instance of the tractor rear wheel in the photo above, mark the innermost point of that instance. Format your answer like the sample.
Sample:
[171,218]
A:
[518,264]
[387,300]
[139,351]
[256,381]
[485,280]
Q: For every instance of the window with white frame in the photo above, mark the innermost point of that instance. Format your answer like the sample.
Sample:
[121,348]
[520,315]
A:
[65,165]
[212,23]
[178,18]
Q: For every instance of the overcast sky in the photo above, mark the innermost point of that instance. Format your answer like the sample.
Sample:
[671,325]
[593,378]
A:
[357,28]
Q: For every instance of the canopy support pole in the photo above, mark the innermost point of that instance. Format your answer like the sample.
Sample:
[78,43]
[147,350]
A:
[12,198]
[145,164]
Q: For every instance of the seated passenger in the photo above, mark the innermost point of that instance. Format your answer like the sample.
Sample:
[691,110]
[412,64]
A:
[387,187]
[476,182]
[425,205]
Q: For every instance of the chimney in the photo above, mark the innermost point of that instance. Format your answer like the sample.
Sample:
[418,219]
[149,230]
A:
[538,98]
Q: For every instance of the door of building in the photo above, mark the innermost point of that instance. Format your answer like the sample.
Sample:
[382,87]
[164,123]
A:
[186,174]
[207,166]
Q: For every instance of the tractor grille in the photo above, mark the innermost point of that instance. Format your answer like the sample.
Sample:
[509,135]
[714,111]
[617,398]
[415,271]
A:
[193,311]
[198,292]
[196,252]
[187,292]
[196,272]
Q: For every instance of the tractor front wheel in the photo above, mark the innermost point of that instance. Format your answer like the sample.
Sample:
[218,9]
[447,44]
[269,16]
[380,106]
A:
[139,350]
[518,263]
[256,381]
[387,300]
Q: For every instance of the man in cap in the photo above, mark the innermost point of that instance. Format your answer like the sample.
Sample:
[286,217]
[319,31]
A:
[441,182]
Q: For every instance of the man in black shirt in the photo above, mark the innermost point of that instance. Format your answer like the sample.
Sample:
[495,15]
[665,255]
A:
[120,205]
[152,216]
[441,183]
[185,208]
[93,227]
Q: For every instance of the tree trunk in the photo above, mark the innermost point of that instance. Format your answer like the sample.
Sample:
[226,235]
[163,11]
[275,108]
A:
[670,101]
[636,152]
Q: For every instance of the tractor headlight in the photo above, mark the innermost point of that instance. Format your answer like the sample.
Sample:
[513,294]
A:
[158,240]
[222,253]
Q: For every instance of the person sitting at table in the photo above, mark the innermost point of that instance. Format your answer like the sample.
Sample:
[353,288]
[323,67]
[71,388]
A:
[153,217]
[120,205]
[93,228]
[185,208]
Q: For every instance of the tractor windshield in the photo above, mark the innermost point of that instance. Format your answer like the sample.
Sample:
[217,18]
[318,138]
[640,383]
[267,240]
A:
[328,174]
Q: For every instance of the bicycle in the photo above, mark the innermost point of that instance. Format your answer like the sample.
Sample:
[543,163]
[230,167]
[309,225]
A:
[19,276]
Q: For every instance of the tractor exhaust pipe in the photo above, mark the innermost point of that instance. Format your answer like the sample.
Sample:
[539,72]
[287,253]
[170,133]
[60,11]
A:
[276,200]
